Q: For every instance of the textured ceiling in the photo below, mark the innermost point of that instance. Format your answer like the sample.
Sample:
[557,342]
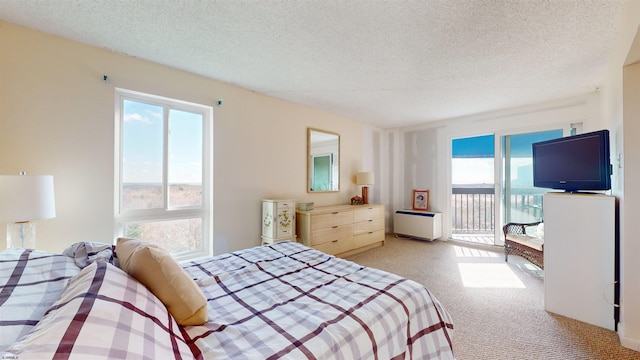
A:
[387,63]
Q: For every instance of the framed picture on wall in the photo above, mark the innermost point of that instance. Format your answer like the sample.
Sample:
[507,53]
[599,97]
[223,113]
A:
[421,200]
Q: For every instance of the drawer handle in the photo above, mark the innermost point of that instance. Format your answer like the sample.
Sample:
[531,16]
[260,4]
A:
[334,227]
[335,212]
[334,241]
[370,220]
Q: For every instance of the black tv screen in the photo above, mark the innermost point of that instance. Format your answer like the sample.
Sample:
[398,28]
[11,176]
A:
[574,163]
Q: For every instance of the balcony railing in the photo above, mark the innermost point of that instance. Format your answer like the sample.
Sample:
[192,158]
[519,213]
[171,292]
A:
[474,208]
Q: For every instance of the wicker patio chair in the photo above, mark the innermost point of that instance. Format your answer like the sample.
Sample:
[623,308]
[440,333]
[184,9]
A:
[518,242]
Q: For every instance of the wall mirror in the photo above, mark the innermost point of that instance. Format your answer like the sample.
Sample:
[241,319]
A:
[323,161]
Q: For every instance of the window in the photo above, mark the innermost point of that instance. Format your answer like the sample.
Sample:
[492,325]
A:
[164,173]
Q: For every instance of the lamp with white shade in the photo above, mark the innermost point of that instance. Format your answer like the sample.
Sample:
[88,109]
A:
[365,179]
[23,199]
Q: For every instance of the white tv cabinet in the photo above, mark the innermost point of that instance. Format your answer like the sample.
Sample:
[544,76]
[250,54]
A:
[579,257]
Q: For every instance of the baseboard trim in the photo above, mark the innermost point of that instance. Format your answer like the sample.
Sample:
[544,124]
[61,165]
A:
[629,343]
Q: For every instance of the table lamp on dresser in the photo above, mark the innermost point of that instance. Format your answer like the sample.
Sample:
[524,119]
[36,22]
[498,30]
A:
[24,198]
[365,179]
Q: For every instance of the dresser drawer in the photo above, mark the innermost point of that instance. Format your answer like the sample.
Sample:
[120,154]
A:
[341,230]
[289,206]
[330,234]
[368,214]
[368,238]
[331,220]
[336,246]
[368,226]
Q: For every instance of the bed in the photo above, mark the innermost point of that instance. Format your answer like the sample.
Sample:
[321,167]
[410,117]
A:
[281,301]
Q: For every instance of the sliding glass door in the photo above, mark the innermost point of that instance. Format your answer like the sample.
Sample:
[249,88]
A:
[479,207]
[473,189]
[522,201]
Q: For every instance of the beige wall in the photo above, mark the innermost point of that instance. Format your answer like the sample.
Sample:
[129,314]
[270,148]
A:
[630,272]
[57,118]
[621,112]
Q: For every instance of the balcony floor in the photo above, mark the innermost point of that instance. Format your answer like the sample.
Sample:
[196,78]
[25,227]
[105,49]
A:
[485,239]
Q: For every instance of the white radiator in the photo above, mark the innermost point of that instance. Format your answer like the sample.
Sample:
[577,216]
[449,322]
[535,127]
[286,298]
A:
[418,224]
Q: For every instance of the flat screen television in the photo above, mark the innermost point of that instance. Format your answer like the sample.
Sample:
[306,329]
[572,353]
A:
[574,163]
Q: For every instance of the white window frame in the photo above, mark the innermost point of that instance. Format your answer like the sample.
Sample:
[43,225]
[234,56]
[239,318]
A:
[205,211]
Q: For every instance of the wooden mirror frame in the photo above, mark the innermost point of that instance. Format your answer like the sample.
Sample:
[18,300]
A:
[323,146]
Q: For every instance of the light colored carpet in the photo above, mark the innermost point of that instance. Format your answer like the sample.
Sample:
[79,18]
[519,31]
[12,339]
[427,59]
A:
[497,307]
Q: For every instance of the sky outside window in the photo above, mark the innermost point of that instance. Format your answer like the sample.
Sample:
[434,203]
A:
[142,145]
[185,147]
[472,160]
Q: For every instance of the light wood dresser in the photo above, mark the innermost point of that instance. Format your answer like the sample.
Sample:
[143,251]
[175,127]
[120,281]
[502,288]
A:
[342,230]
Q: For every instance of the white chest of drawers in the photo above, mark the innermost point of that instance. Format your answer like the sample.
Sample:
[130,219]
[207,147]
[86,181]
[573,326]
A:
[342,230]
[278,220]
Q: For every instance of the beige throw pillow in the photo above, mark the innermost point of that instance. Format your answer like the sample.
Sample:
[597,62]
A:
[168,281]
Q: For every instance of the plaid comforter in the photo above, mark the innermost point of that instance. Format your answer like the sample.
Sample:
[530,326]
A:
[289,301]
[282,301]
[30,282]
[101,313]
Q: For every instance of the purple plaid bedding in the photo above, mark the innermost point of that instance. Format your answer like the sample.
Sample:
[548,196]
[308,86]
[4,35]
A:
[30,282]
[104,314]
[282,301]
[289,301]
